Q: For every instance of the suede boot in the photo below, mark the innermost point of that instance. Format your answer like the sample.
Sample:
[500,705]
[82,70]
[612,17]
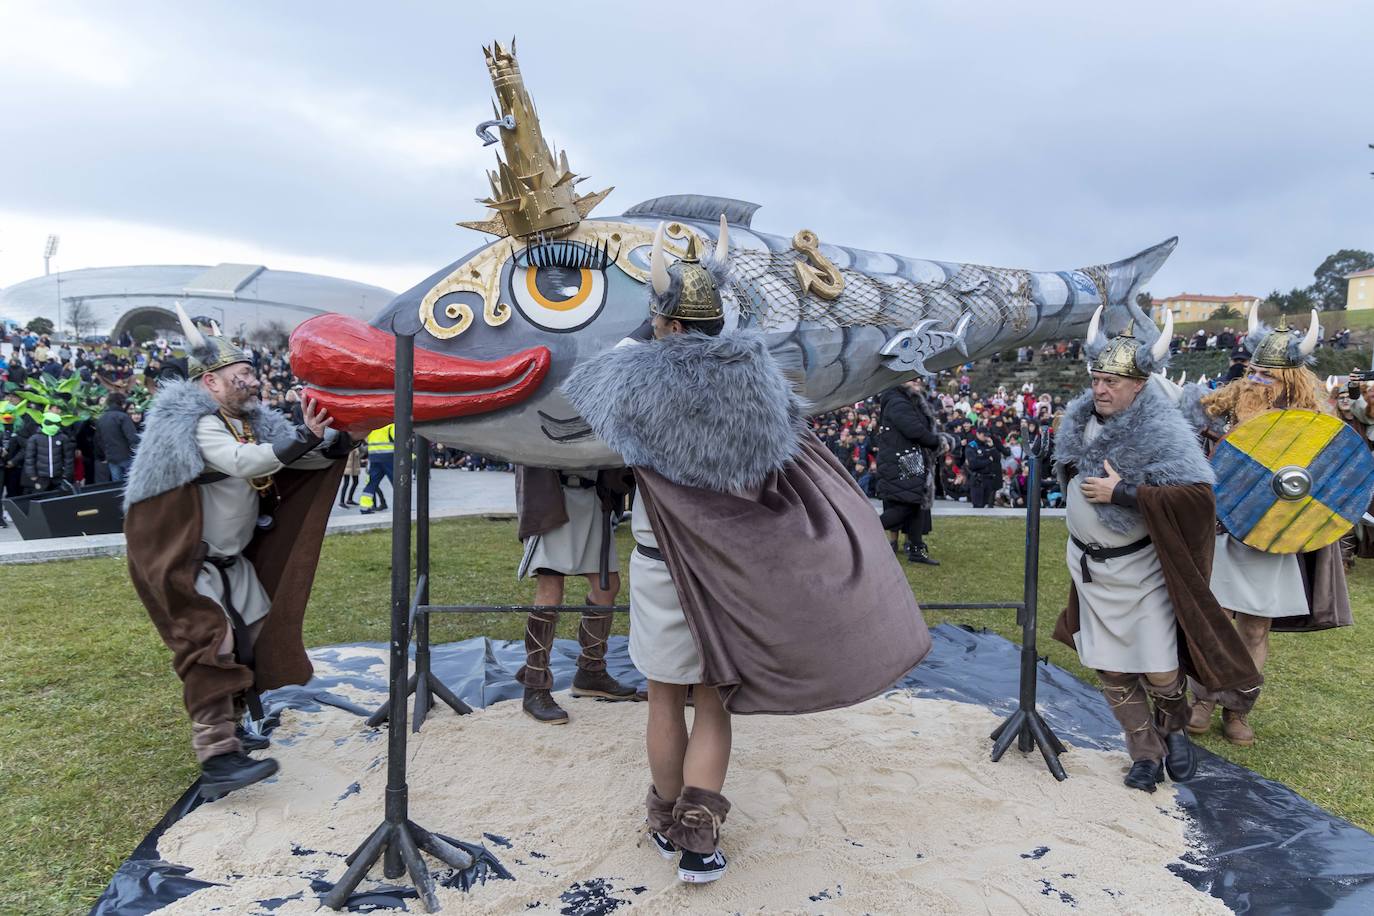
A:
[1200,717]
[1131,707]
[539,633]
[1235,729]
[697,818]
[591,679]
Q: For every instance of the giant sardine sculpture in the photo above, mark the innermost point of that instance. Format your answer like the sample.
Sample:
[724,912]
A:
[498,331]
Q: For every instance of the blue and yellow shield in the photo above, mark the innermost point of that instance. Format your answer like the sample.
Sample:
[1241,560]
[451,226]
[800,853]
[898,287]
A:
[1292,480]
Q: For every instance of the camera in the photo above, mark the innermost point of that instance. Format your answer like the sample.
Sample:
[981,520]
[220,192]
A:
[1355,386]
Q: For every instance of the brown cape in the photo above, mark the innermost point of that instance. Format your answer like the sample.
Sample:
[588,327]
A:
[795,599]
[1182,522]
[1328,595]
[163,535]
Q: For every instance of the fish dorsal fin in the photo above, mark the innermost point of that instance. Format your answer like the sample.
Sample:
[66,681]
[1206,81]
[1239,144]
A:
[698,207]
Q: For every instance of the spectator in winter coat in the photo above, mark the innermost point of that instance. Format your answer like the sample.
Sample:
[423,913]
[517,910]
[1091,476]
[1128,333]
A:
[983,464]
[117,436]
[907,443]
[49,456]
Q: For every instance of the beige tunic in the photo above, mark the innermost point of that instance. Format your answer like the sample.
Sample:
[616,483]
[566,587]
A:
[230,511]
[1126,623]
[573,549]
[661,643]
[1257,583]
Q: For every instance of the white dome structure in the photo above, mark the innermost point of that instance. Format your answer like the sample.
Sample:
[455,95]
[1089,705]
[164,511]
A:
[242,298]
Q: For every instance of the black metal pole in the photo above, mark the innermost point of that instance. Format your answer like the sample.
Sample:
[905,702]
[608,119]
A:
[398,839]
[1025,726]
[422,700]
[1029,602]
[397,792]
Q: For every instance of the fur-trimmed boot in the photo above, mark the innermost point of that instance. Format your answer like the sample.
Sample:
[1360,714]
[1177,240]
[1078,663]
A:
[697,818]
[659,818]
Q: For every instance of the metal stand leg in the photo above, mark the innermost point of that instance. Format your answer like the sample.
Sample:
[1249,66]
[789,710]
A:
[423,684]
[398,840]
[1025,726]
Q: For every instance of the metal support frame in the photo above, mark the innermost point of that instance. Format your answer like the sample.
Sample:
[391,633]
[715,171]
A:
[1026,726]
[422,683]
[398,840]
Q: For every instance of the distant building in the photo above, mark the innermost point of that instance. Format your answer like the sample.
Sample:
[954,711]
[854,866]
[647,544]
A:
[241,298]
[1191,307]
[1360,292]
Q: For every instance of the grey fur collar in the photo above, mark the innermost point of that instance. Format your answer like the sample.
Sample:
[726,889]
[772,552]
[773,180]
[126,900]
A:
[1194,414]
[712,412]
[1148,443]
[168,456]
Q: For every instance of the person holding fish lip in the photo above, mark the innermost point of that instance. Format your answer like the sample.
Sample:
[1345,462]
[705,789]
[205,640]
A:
[225,508]
[736,499]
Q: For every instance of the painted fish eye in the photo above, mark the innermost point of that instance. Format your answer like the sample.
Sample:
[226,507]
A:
[560,285]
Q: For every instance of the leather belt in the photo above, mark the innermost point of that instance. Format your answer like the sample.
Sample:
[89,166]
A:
[653,553]
[1097,553]
[576,481]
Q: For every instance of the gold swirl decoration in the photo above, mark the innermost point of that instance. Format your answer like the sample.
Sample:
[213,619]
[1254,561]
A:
[482,274]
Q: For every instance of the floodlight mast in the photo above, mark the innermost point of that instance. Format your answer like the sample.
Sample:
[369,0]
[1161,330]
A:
[50,251]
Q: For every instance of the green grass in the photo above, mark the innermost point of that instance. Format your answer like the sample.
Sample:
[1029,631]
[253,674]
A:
[95,742]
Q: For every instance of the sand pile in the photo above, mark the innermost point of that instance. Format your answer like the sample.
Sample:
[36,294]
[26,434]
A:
[888,807]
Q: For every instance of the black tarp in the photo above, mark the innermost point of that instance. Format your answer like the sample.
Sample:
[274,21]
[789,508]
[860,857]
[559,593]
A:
[1262,848]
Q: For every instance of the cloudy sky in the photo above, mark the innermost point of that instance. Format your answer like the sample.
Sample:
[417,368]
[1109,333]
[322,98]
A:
[338,137]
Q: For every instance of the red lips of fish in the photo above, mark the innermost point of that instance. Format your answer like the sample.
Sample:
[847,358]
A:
[349,367]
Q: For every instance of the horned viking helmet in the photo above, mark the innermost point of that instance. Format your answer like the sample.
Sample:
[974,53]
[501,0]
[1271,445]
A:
[689,289]
[1125,354]
[1281,347]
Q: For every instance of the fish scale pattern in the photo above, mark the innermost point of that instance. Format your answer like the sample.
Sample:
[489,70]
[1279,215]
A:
[765,290]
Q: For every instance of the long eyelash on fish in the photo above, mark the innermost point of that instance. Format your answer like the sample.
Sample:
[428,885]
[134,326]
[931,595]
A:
[545,252]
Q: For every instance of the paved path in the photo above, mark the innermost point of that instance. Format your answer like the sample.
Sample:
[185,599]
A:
[452,494]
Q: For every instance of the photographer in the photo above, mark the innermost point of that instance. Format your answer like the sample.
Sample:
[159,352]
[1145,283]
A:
[1355,405]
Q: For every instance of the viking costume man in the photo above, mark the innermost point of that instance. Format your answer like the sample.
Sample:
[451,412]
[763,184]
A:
[761,573]
[1140,515]
[225,508]
[1265,591]
[564,520]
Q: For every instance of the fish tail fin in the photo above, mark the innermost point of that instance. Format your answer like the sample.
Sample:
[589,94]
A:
[1127,278]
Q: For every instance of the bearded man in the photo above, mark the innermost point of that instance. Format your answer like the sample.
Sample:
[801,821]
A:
[1140,515]
[225,508]
[1265,591]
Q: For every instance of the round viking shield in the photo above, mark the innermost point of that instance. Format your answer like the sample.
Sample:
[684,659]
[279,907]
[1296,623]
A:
[1292,480]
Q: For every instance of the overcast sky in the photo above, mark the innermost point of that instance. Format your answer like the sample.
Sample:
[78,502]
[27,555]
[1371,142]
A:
[338,137]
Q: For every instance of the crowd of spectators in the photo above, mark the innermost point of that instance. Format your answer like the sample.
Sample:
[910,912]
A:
[987,438]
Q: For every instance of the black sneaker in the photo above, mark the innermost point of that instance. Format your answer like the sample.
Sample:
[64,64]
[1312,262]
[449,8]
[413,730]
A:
[695,868]
[224,773]
[664,845]
[251,741]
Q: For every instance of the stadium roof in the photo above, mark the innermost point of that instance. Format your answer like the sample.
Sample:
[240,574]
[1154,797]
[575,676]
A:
[241,297]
